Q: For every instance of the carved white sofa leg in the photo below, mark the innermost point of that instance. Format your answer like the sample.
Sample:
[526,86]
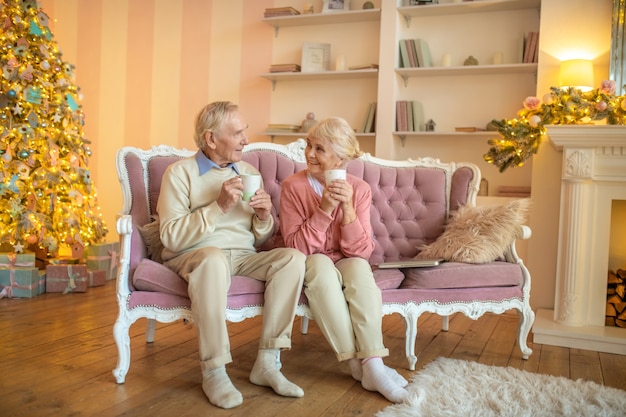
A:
[305,325]
[150,329]
[410,322]
[526,320]
[445,323]
[122,339]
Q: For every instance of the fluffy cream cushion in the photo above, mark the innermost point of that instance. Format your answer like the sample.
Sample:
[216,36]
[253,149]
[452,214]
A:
[478,234]
[151,238]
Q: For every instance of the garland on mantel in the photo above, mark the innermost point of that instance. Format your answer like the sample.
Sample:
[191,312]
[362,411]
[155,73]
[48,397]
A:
[520,138]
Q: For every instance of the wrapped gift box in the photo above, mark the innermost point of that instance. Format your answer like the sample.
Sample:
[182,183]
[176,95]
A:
[104,256]
[21,260]
[41,288]
[96,277]
[19,282]
[66,278]
[64,260]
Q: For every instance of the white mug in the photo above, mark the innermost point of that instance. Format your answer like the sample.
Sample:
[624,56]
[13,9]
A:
[251,183]
[334,174]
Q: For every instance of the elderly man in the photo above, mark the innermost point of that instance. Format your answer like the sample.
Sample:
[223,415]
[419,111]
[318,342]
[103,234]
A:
[209,233]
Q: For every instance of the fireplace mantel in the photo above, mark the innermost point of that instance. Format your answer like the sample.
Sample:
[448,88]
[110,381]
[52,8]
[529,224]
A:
[593,175]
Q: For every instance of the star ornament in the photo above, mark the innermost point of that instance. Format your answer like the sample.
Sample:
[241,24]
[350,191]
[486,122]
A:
[17,109]
[18,247]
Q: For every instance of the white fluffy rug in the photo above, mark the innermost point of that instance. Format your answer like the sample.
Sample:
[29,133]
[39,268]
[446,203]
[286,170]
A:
[451,387]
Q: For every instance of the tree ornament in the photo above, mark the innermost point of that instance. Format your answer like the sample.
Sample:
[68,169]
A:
[23,154]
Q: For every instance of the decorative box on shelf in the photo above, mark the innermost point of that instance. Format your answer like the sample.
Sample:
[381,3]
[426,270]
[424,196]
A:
[66,278]
[104,256]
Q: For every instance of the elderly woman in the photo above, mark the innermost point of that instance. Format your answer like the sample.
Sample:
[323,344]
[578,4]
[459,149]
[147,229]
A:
[330,223]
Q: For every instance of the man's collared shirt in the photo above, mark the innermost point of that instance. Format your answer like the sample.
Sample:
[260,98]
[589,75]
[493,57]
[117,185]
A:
[205,164]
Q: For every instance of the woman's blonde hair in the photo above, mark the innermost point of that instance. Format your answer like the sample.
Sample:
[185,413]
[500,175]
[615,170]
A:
[212,118]
[340,136]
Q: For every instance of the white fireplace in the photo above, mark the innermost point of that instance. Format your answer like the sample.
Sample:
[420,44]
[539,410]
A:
[593,175]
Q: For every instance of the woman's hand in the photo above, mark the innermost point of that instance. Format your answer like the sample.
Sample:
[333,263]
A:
[261,202]
[339,193]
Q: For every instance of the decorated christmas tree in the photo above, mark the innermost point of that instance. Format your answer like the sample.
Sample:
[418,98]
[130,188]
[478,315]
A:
[47,197]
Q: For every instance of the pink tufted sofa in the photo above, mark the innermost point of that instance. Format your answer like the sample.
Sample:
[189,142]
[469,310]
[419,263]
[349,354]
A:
[412,201]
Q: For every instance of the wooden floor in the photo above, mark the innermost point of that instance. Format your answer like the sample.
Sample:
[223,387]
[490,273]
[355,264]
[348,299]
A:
[57,353]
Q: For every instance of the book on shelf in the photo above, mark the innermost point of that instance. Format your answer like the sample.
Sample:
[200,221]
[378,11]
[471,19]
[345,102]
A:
[404,55]
[285,68]
[282,127]
[412,50]
[363,66]
[369,120]
[423,53]
[418,116]
[520,48]
[409,116]
[402,124]
[534,48]
[519,191]
[280,11]
[468,129]
[315,57]
[531,44]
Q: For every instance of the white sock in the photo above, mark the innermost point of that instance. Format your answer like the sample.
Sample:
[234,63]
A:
[356,369]
[219,389]
[266,372]
[375,378]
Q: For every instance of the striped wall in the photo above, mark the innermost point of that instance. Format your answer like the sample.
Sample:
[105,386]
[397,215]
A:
[145,67]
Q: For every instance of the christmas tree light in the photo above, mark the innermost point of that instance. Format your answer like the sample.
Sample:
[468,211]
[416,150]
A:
[47,197]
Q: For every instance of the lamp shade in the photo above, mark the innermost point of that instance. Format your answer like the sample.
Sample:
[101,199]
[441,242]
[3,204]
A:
[577,73]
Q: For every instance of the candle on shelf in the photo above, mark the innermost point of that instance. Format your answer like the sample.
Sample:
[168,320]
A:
[340,63]
[498,58]
[446,60]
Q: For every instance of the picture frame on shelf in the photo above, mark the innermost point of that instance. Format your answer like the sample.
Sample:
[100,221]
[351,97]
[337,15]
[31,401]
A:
[335,6]
[315,57]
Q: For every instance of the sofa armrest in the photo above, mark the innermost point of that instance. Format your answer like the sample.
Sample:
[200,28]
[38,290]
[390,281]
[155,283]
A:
[525,232]
[124,226]
[510,254]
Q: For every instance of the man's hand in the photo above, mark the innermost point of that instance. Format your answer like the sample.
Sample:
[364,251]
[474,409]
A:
[230,194]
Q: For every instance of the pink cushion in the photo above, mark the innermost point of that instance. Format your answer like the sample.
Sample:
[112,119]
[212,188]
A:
[388,278]
[462,275]
[155,277]
[241,285]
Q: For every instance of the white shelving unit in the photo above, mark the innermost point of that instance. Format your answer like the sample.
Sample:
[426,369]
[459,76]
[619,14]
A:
[348,16]
[453,96]
[324,75]
[482,6]
[313,87]
[407,73]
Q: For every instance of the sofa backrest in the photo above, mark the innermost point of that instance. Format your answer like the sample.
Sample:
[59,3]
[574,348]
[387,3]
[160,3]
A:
[140,172]
[411,200]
